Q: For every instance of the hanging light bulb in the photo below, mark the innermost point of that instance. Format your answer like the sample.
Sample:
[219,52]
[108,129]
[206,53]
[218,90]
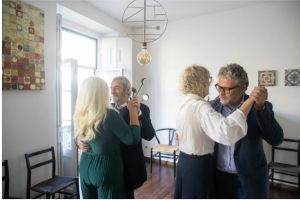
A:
[144,57]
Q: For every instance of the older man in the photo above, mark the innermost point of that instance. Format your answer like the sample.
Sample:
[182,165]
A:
[241,169]
[133,157]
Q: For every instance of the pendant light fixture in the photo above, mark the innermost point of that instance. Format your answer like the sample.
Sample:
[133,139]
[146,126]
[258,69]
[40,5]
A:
[153,21]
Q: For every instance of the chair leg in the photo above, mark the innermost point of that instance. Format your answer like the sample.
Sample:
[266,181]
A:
[272,177]
[174,154]
[53,196]
[77,188]
[151,155]
[28,194]
[299,183]
[159,158]
[48,195]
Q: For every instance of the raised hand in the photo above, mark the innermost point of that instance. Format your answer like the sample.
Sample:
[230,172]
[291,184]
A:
[136,103]
[259,95]
[131,107]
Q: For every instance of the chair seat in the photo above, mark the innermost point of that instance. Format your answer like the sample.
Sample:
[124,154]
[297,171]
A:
[284,167]
[53,185]
[164,148]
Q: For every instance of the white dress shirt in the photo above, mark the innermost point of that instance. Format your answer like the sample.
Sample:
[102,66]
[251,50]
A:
[199,126]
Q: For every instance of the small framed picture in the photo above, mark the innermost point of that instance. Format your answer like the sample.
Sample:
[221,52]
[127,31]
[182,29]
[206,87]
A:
[292,77]
[267,78]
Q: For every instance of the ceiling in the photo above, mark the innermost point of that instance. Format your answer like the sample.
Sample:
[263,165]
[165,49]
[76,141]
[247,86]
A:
[175,9]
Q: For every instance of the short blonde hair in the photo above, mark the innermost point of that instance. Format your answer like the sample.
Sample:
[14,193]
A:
[91,107]
[195,80]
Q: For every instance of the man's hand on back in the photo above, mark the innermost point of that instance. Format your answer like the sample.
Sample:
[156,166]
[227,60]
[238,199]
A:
[82,146]
[177,139]
[214,98]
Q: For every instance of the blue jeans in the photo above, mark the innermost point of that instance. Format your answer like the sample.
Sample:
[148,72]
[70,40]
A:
[228,186]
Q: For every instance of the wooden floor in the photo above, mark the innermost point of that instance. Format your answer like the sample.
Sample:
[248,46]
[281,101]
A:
[161,185]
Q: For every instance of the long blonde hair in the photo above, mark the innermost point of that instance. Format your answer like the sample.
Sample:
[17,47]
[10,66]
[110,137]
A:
[91,107]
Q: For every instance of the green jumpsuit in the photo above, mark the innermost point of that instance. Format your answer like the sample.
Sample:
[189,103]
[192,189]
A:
[101,168]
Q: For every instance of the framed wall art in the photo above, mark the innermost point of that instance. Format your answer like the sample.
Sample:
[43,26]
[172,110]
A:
[23,66]
[267,78]
[292,77]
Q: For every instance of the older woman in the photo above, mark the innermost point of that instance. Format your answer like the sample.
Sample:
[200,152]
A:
[98,124]
[198,127]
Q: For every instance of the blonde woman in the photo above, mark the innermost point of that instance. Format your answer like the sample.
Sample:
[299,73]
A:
[198,127]
[98,124]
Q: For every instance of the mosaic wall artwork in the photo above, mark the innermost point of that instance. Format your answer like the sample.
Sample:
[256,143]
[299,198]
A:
[22,46]
[267,78]
[292,77]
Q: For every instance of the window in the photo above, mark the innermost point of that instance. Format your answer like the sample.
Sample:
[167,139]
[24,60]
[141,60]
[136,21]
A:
[83,48]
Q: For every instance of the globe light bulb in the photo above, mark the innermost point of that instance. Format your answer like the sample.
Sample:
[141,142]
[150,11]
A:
[144,57]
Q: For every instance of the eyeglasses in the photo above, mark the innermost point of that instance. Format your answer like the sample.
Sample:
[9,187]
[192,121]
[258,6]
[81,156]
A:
[225,89]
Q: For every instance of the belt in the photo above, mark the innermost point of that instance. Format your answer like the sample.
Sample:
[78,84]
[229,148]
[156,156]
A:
[229,174]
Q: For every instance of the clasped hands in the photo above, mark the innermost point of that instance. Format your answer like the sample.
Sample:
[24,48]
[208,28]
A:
[133,104]
[259,96]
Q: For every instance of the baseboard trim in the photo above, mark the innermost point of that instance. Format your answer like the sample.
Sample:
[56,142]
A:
[165,162]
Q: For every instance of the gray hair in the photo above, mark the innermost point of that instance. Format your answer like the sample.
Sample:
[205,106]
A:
[125,83]
[234,71]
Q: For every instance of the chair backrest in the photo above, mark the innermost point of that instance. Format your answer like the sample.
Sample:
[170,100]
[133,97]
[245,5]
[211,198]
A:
[5,178]
[172,131]
[287,149]
[31,167]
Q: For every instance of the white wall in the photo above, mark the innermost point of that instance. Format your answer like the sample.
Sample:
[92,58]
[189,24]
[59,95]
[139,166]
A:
[262,37]
[29,117]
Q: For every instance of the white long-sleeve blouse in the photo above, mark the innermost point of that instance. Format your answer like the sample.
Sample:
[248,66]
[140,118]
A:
[199,126]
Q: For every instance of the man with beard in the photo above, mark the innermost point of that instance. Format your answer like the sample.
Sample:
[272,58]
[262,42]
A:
[133,157]
[241,169]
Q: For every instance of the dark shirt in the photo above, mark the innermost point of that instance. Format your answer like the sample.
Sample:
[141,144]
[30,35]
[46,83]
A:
[122,110]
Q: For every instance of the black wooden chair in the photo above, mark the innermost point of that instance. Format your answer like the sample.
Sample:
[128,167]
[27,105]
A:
[50,186]
[165,150]
[5,178]
[285,169]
